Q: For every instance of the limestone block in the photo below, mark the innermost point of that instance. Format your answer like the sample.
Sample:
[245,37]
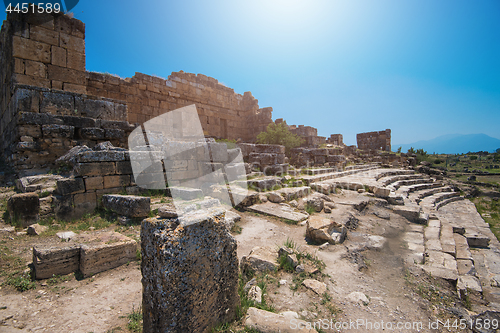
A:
[260,259]
[36,229]
[116,181]
[268,322]
[94,183]
[30,49]
[58,56]
[95,169]
[32,118]
[58,131]
[270,149]
[113,252]
[84,203]
[70,186]
[67,75]
[114,134]
[40,34]
[101,156]
[91,133]
[190,297]
[320,230]
[123,168]
[77,121]
[24,207]
[49,261]
[381,192]
[72,43]
[127,205]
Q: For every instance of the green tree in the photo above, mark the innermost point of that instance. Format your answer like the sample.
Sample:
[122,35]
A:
[399,150]
[280,135]
[411,150]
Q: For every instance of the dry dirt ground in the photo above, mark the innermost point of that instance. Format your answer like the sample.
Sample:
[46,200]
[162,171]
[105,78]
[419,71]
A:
[396,293]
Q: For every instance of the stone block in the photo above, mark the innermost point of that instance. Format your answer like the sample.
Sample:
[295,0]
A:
[35,68]
[57,103]
[95,169]
[43,35]
[123,168]
[185,193]
[320,230]
[270,149]
[114,134]
[72,43]
[94,183]
[75,88]
[30,49]
[127,205]
[66,75]
[58,56]
[111,253]
[76,60]
[58,131]
[265,321]
[201,294]
[49,261]
[70,186]
[101,156]
[116,181]
[24,207]
[381,192]
[91,133]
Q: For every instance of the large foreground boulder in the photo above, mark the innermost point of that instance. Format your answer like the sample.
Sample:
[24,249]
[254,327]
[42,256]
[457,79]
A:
[269,322]
[189,272]
[260,259]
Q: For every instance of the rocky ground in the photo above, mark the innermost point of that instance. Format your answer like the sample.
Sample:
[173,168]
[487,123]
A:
[364,283]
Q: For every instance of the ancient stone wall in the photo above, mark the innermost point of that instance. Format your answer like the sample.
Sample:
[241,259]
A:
[336,139]
[42,68]
[375,140]
[309,134]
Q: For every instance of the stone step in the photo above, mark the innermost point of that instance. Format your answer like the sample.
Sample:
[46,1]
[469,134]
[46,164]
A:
[319,178]
[434,199]
[400,183]
[394,173]
[278,210]
[411,213]
[447,239]
[291,193]
[428,192]
[318,171]
[392,179]
[407,189]
[447,201]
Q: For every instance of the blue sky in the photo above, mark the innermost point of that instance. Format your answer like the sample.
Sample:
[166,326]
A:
[423,68]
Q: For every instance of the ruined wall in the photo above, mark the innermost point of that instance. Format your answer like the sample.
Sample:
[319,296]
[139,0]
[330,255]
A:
[309,134]
[336,139]
[375,140]
[223,113]
[42,68]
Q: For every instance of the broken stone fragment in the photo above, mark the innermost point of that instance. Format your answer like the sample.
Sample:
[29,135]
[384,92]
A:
[24,207]
[315,285]
[269,322]
[255,294]
[358,297]
[320,230]
[260,259]
[275,197]
[36,229]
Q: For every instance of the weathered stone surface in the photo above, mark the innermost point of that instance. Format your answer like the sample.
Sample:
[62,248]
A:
[465,267]
[231,218]
[467,284]
[277,210]
[255,294]
[70,158]
[269,322]
[70,186]
[381,192]
[315,285]
[439,272]
[185,193]
[127,205]
[358,297]
[274,197]
[58,131]
[260,259]
[194,297]
[167,211]
[91,133]
[111,250]
[320,230]
[411,213]
[49,261]
[24,207]
[66,235]
[36,229]
[316,202]
[101,156]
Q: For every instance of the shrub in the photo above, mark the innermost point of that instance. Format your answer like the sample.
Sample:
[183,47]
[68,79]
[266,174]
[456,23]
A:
[279,134]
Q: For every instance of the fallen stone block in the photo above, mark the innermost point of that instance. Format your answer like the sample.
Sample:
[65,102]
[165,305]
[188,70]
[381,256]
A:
[185,193]
[127,205]
[70,186]
[358,297]
[275,197]
[381,192]
[277,210]
[49,261]
[111,250]
[315,285]
[411,213]
[468,285]
[440,272]
[24,208]
[465,267]
[260,259]
[269,322]
[36,229]
[320,230]
[189,274]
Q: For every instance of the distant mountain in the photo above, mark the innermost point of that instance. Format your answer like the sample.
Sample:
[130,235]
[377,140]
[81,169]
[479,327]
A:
[454,144]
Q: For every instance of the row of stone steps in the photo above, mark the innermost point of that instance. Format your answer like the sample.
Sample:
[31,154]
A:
[406,182]
[319,178]
[385,181]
